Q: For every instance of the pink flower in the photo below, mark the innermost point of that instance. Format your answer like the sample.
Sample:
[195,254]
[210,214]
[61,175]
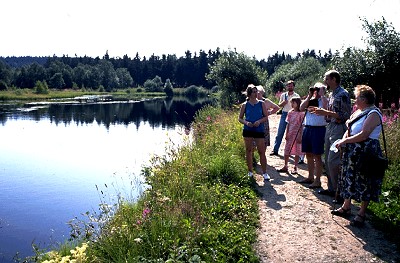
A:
[393,105]
[380,105]
[145,212]
[395,116]
[208,118]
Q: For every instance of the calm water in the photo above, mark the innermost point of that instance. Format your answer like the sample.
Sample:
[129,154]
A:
[52,157]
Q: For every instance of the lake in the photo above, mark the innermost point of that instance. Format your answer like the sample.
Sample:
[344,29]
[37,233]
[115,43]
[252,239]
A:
[60,160]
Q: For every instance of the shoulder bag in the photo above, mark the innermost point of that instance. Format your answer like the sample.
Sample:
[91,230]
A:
[371,164]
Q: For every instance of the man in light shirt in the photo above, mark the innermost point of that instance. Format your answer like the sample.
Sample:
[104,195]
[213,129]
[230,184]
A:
[284,102]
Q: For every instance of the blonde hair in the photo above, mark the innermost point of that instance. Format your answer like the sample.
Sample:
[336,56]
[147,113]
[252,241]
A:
[260,88]
[365,92]
[320,85]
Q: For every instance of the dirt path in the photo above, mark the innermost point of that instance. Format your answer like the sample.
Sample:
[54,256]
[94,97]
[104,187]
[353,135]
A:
[297,226]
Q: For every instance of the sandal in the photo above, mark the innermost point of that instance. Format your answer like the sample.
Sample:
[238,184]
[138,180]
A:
[342,212]
[358,221]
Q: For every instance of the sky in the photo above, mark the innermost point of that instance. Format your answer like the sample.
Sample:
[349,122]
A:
[256,28]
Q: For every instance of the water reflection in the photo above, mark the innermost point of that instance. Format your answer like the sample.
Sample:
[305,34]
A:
[157,112]
[53,155]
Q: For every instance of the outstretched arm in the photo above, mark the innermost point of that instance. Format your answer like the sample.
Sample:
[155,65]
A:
[271,107]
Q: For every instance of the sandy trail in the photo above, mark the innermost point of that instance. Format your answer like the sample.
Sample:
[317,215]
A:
[296,224]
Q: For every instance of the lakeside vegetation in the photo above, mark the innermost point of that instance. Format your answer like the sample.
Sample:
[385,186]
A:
[125,94]
[201,207]
[51,94]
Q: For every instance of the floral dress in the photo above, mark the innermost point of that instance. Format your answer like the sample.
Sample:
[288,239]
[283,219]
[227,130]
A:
[353,184]
[267,139]
[295,123]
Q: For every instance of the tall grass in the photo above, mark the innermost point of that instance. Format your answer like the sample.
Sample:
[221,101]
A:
[201,206]
[387,211]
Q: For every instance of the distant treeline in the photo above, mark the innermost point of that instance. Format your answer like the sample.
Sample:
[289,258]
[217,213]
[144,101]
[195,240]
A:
[119,73]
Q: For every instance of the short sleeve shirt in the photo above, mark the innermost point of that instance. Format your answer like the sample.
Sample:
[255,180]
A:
[339,102]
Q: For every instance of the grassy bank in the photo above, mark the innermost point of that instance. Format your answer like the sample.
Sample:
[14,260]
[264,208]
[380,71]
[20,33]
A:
[386,213]
[202,207]
[32,95]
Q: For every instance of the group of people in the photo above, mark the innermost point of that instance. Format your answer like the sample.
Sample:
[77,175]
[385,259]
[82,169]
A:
[315,127]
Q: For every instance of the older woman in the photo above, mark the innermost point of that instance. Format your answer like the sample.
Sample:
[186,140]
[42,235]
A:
[364,128]
[253,114]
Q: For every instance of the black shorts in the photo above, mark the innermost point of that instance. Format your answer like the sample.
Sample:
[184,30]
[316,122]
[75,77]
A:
[252,134]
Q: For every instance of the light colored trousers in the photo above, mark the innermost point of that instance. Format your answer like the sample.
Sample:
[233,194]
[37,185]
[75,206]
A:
[333,162]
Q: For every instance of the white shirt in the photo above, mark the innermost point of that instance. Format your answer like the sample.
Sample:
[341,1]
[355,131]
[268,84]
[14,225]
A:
[286,96]
[312,119]
[357,126]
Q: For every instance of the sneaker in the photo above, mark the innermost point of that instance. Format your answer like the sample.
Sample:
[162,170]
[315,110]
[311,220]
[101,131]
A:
[250,174]
[266,177]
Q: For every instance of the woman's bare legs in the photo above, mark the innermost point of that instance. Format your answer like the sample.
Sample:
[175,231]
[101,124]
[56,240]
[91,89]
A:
[248,143]
[296,161]
[261,151]
[286,159]
[318,170]
[310,166]
[363,208]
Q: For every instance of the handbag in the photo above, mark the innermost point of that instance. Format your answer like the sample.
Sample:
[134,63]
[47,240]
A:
[370,164]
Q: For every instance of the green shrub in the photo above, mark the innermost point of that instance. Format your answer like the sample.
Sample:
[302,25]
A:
[41,87]
[386,213]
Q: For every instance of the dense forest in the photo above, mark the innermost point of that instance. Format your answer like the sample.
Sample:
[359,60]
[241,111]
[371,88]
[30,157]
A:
[378,66]
[118,73]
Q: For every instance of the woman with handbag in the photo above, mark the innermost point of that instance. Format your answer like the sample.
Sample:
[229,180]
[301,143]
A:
[364,129]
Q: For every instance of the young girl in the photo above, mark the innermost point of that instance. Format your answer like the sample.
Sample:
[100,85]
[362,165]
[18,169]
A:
[294,131]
